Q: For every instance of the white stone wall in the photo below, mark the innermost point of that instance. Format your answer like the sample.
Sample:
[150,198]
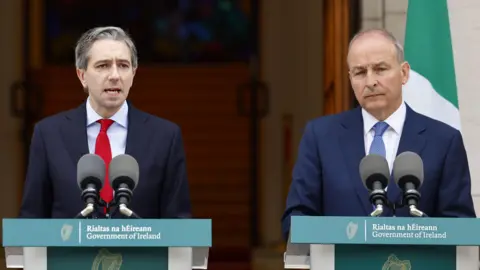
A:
[465,30]
[389,14]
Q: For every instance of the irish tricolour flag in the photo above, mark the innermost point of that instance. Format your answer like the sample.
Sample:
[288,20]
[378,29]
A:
[432,88]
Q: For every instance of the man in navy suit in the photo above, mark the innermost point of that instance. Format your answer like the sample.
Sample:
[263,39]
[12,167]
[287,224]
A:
[107,125]
[326,180]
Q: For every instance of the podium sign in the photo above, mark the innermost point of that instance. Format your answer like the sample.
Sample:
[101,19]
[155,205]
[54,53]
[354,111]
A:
[106,243]
[388,243]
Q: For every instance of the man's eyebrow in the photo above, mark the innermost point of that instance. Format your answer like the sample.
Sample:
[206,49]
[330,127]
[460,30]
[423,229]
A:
[358,68]
[110,61]
[124,61]
[381,63]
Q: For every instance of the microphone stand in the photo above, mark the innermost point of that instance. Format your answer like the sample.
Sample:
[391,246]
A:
[378,198]
[380,208]
[90,209]
[414,211]
[412,197]
[123,195]
[86,212]
[124,210]
[412,208]
[121,206]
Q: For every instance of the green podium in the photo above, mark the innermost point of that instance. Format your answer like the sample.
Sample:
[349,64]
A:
[107,244]
[357,243]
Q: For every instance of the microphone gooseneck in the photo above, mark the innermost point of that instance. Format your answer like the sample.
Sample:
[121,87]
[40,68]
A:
[375,174]
[124,176]
[124,195]
[408,175]
[90,179]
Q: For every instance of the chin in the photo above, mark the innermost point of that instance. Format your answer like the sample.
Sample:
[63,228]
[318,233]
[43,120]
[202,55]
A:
[375,105]
[114,103]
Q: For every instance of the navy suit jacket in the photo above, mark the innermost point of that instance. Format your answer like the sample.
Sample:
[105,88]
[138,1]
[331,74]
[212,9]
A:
[58,142]
[326,179]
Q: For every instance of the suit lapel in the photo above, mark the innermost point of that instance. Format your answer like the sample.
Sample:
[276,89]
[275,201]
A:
[74,133]
[137,140]
[138,134]
[353,148]
[412,139]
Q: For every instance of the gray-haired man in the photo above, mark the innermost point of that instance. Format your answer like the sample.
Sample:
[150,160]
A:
[107,125]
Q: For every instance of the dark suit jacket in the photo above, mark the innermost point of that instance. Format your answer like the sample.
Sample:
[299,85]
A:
[58,142]
[326,179]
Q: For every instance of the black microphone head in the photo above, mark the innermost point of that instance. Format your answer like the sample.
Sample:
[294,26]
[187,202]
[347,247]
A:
[374,168]
[408,168]
[123,169]
[90,170]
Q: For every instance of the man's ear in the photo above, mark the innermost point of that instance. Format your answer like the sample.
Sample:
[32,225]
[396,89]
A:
[405,72]
[81,77]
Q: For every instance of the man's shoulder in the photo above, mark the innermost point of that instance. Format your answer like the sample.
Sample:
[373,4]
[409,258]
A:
[54,120]
[159,123]
[437,128]
[333,118]
[332,121]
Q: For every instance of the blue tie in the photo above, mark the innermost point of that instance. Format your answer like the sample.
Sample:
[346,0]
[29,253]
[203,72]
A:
[378,147]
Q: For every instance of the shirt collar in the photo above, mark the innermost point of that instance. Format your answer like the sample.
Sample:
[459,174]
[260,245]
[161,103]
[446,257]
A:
[395,121]
[120,117]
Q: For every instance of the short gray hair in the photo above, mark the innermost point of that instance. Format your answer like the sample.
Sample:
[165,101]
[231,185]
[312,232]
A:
[86,41]
[386,34]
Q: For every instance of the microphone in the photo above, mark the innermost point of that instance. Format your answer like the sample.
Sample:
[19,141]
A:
[408,175]
[124,174]
[375,174]
[90,179]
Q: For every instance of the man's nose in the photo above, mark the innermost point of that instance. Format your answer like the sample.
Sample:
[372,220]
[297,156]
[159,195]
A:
[114,75]
[371,80]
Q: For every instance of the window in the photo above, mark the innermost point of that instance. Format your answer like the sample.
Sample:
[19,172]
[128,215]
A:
[164,31]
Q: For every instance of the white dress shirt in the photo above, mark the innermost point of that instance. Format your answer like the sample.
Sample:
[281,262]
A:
[392,135]
[117,132]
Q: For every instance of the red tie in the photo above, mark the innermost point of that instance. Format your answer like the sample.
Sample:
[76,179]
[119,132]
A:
[102,148]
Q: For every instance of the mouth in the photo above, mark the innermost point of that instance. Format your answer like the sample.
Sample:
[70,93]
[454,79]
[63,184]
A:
[113,90]
[376,95]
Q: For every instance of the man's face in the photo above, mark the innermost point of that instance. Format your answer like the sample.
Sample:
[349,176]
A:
[109,75]
[376,75]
